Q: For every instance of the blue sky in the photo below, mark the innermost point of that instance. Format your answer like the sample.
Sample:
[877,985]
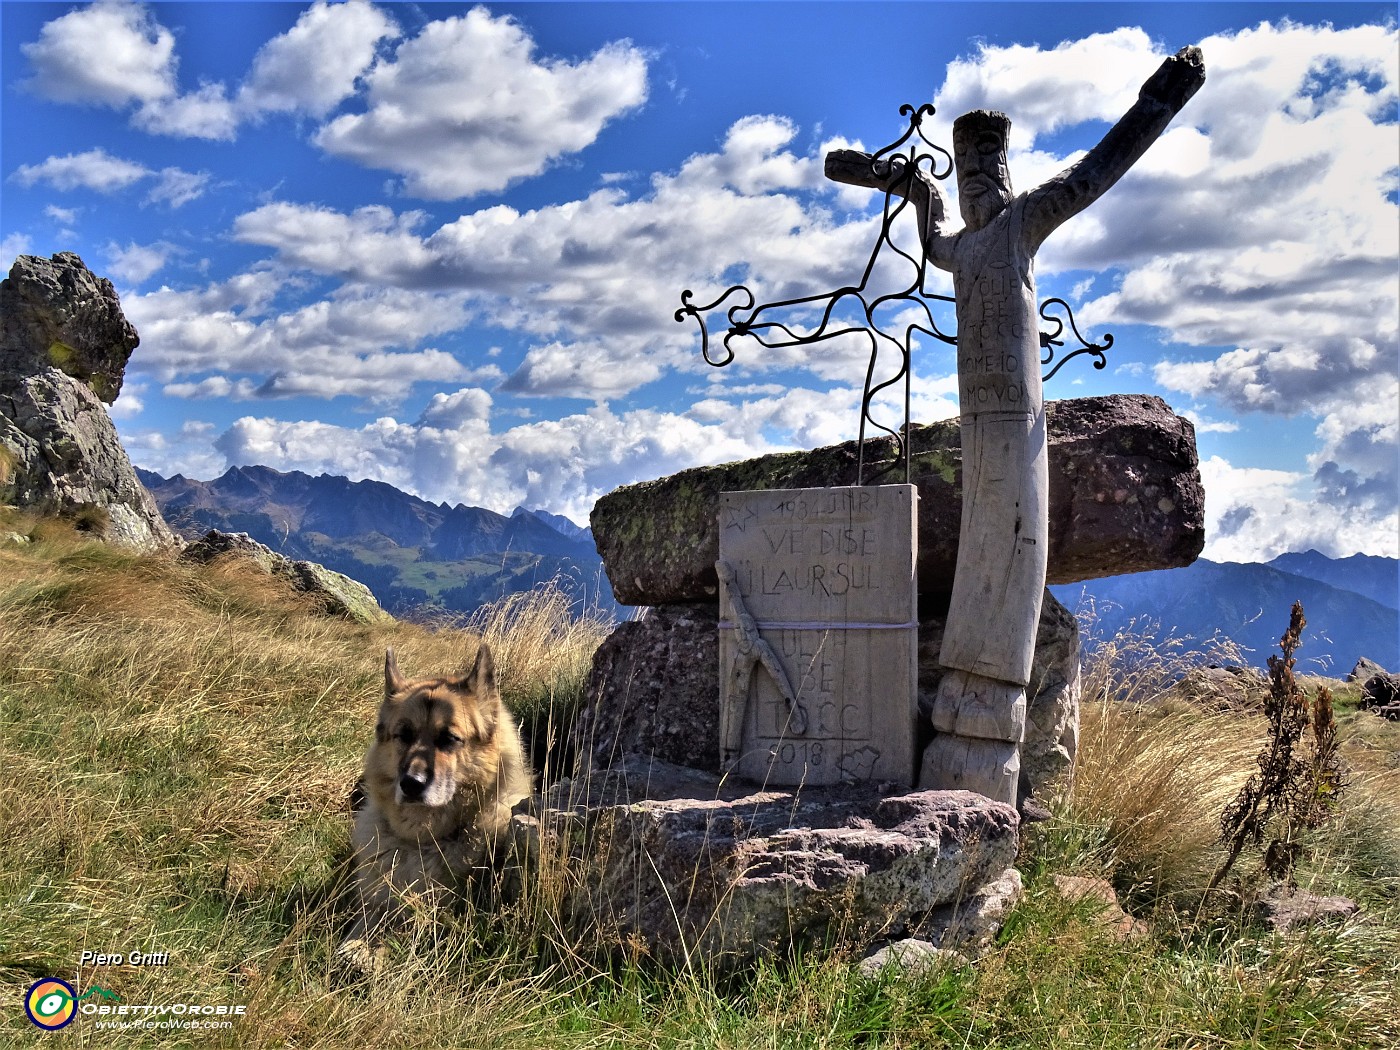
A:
[441,245]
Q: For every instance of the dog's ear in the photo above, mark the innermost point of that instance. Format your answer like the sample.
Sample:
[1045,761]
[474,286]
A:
[481,679]
[393,681]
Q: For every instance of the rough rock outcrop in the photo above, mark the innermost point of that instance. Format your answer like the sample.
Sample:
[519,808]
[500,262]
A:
[1364,670]
[59,314]
[692,867]
[63,346]
[339,594]
[1125,496]
[1381,695]
[654,690]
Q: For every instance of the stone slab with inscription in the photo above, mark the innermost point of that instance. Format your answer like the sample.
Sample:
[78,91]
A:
[818,634]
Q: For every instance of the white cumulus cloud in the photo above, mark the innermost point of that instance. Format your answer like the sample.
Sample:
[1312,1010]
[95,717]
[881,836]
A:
[95,169]
[315,65]
[110,53]
[467,107]
[116,53]
[594,283]
[133,263]
[101,172]
[1255,514]
[451,453]
[234,340]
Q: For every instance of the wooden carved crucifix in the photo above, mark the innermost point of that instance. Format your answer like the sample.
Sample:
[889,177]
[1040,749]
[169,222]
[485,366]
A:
[979,715]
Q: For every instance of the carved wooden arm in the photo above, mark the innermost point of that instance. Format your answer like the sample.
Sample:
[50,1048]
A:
[1074,189]
[854,168]
[1176,79]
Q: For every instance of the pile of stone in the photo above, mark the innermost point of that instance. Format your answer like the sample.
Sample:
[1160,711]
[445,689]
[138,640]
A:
[682,857]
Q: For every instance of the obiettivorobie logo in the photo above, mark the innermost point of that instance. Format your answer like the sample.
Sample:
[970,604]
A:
[52,1004]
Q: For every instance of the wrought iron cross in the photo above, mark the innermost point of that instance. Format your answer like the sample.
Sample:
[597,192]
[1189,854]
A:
[902,161]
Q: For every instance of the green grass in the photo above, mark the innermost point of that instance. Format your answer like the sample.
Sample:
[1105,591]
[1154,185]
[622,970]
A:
[178,744]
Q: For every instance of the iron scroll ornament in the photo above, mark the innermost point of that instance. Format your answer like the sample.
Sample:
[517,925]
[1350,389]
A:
[763,323]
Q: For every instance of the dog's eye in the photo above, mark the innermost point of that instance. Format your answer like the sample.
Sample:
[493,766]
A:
[405,733]
[448,741]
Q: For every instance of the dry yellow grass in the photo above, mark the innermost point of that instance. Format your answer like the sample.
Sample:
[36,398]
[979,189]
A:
[178,742]
[1154,771]
[1149,788]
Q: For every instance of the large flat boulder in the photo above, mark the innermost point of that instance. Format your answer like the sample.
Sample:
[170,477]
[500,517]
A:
[691,868]
[1125,496]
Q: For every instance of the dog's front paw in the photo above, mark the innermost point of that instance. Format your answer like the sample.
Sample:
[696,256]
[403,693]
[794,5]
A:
[356,960]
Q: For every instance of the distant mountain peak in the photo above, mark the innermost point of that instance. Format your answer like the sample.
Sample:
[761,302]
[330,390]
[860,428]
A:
[1249,603]
[1369,575]
[560,524]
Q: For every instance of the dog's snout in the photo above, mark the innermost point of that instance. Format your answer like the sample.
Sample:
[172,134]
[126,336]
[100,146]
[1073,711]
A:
[413,783]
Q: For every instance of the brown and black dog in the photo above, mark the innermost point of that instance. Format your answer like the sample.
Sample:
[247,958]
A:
[445,768]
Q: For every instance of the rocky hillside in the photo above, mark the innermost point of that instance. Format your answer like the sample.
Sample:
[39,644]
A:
[414,555]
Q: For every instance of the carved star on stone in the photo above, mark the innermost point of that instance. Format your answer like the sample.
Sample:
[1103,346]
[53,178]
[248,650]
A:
[739,517]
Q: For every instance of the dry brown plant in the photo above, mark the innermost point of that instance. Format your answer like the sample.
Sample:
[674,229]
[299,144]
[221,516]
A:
[1299,783]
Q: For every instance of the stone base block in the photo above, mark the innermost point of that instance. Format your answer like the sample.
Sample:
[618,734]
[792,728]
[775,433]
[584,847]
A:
[654,690]
[694,867]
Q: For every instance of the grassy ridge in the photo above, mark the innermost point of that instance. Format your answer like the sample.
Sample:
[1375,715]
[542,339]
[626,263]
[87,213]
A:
[177,744]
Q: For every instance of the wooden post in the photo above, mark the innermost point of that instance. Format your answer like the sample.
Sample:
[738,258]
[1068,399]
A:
[979,712]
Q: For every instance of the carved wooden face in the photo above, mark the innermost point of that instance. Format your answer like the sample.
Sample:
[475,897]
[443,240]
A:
[984,179]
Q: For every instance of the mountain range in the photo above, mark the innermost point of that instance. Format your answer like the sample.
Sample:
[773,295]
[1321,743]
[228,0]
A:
[1349,604]
[420,558]
[417,557]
